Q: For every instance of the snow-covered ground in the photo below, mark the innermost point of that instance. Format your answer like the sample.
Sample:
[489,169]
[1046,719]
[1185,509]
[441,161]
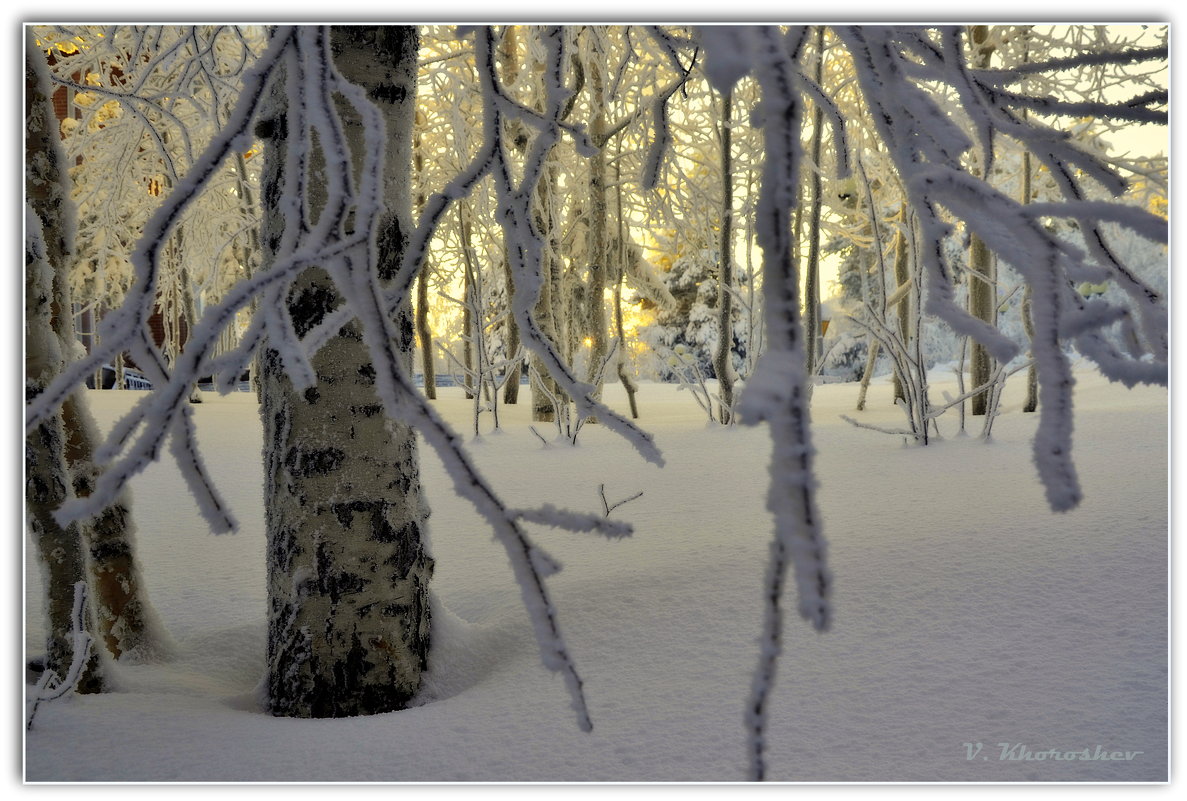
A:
[967,615]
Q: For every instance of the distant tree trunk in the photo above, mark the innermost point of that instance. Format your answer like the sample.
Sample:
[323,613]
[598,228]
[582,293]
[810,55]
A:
[981,306]
[48,244]
[348,613]
[1032,379]
[812,279]
[468,335]
[867,374]
[508,53]
[982,290]
[622,253]
[424,333]
[597,213]
[545,392]
[628,383]
[1028,325]
[472,323]
[722,362]
[513,370]
[127,624]
[902,275]
[1032,374]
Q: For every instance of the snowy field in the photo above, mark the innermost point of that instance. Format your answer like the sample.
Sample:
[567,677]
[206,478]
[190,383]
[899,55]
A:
[966,613]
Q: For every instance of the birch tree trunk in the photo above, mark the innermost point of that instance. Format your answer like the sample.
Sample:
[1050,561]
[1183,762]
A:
[49,236]
[348,613]
[981,306]
[59,549]
[867,373]
[981,278]
[126,622]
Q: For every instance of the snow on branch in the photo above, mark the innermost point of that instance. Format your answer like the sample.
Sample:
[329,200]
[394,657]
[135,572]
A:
[1136,109]
[166,413]
[356,277]
[51,686]
[924,100]
[662,137]
[777,391]
[1137,55]
[936,177]
[120,330]
[523,241]
[342,240]
[549,515]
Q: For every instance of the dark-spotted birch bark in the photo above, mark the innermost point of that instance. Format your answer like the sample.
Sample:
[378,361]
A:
[125,622]
[348,616]
[49,232]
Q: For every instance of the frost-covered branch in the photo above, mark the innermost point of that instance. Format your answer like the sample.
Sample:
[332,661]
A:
[777,392]
[608,507]
[51,686]
[928,160]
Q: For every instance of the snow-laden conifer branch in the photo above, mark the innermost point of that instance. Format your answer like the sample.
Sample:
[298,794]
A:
[1151,305]
[1148,225]
[510,107]
[898,71]
[971,100]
